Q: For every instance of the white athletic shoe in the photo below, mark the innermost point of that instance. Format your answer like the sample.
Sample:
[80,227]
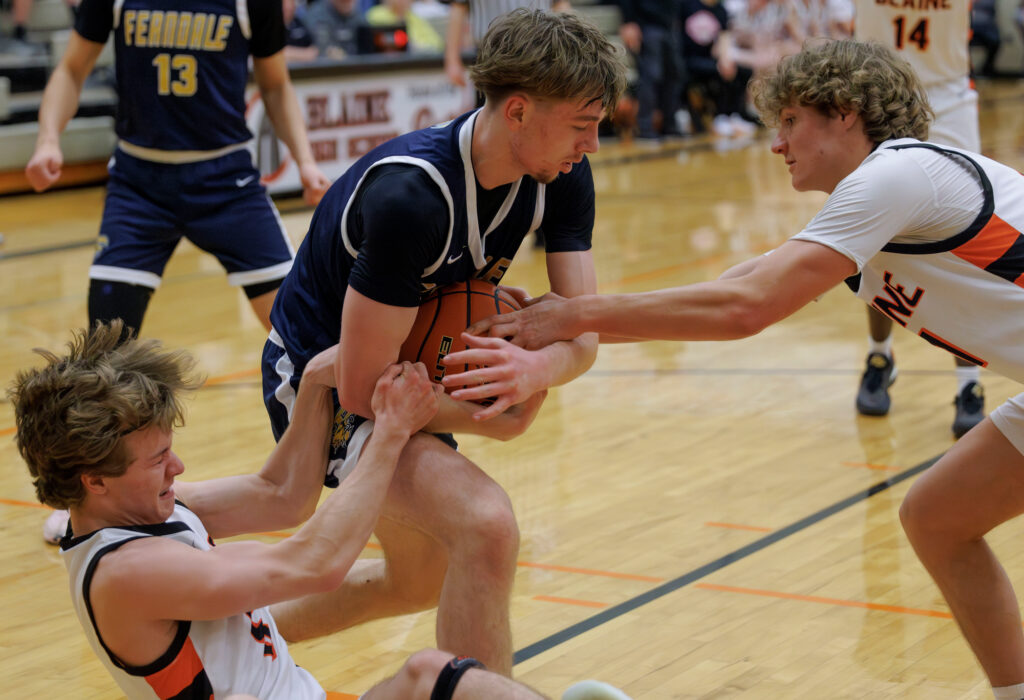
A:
[593,690]
[56,526]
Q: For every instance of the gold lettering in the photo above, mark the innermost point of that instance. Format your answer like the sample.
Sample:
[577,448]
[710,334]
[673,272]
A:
[156,23]
[223,29]
[141,28]
[170,28]
[184,26]
[198,24]
[128,22]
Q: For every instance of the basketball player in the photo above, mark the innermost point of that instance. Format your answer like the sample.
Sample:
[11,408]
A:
[181,167]
[933,38]
[445,204]
[928,235]
[167,613]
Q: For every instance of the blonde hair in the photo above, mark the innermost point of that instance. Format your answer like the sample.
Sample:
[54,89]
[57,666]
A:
[548,54]
[73,414]
[849,76]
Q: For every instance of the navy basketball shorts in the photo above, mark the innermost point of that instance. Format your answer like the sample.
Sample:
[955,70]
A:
[349,431]
[218,204]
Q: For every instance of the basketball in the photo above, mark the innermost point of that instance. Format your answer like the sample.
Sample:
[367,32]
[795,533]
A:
[444,315]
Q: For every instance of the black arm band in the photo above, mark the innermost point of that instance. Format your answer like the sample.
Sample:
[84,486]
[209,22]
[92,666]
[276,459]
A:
[450,675]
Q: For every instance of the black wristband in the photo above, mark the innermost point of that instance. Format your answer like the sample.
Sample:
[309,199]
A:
[449,677]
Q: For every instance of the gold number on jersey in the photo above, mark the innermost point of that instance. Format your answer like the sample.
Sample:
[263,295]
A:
[918,35]
[182,67]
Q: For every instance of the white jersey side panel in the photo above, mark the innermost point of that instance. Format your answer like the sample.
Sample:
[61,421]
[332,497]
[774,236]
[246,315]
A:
[243,653]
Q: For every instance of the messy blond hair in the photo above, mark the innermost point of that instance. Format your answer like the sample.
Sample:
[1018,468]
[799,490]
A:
[849,76]
[73,414]
[548,54]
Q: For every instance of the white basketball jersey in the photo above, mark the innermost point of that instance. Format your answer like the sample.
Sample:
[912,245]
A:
[931,35]
[208,658]
[965,293]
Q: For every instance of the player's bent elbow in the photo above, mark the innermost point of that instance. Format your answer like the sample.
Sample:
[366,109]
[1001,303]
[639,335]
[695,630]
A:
[747,316]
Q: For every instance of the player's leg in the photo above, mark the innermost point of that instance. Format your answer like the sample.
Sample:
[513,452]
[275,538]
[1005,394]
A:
[976,486]
[235,220]
[450,539]
[880,368]
[432,674]
[969,401]
[407,579]
[138,234]
[439,492]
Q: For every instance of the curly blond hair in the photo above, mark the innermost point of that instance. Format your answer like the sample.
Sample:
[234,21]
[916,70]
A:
[73,414]
[849,76]
[549,54]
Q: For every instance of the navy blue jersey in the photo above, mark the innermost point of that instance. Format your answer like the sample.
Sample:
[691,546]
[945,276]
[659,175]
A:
[394,240]
[182,67]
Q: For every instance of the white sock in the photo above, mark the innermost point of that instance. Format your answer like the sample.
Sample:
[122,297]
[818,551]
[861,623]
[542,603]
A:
[965,375]
[882,346]
[1009,692]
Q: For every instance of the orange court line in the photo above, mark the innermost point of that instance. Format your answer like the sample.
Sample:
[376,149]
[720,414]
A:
[341,696]
[570,601]
[828,601]
[663,271]
[29,504]
[734,526]
[590,572]
[8,431]
[241,374]
[866,465]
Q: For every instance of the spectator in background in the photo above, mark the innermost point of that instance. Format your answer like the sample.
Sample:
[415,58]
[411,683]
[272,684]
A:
[985,32]
[335,26]
[650,31]
[479,16]
[17,43]
[704,30]
[423,38]
[299,45]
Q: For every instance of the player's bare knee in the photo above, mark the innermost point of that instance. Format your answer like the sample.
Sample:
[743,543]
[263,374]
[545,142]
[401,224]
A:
[421,670]
[493,527]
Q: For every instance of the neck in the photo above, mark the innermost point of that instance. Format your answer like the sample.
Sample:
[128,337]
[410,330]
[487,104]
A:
[494,163]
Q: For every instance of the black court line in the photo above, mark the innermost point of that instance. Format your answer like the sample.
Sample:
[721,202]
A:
[48,249]
[686,579]
[751,371]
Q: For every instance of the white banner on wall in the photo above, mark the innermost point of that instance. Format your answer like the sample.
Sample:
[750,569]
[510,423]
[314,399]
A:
[346,117]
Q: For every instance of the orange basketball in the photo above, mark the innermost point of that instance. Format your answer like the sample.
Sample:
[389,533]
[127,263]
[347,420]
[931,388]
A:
[444,315]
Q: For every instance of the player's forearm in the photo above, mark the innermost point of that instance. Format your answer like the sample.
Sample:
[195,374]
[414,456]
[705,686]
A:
[566,360]
[719,310]
[285,491]
[59,104]
[289,125]
[323,550]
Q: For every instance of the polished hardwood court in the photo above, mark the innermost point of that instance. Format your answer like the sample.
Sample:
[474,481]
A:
[699,520]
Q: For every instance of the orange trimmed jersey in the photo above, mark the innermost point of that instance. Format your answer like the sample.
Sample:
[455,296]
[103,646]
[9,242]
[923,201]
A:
[208,659]
[963,293]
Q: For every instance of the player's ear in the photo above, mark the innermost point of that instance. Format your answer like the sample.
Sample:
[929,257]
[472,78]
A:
[94,483]
[516,108]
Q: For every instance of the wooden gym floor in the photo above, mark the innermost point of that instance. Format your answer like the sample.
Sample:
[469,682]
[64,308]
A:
[699,520]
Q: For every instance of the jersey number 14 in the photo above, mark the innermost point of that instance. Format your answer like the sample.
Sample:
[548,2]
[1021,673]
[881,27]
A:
[917,35]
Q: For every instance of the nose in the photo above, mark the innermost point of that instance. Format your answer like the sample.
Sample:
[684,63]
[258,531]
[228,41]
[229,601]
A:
[589,142]
[779,145]
[175,466]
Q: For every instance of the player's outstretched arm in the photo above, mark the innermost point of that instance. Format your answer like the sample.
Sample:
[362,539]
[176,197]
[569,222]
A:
[159,579]
[736,306]
[285,491]
[60,102]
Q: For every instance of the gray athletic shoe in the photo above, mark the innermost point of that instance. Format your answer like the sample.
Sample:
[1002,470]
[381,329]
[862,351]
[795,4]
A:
[873,395]
[970,408]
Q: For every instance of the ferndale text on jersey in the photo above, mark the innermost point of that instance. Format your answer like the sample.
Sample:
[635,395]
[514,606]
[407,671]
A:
[176,30]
